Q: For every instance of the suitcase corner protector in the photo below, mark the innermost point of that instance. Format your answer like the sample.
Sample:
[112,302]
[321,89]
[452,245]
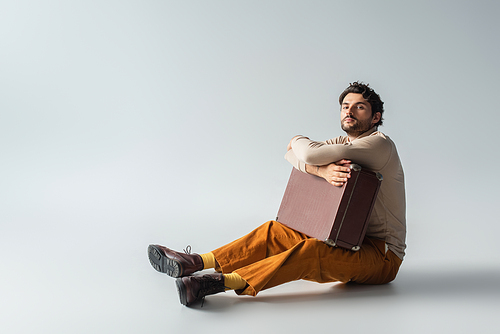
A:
[330,242]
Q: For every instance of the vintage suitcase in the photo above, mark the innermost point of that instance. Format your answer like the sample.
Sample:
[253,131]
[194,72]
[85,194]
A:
[337,215]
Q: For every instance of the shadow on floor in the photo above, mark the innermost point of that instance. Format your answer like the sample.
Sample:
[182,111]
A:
[431,284]
[466,282]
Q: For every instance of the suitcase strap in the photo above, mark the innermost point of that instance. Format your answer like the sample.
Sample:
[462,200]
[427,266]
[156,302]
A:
[345,211]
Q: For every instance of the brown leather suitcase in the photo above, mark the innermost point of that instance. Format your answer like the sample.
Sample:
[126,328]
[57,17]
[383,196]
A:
[336,215]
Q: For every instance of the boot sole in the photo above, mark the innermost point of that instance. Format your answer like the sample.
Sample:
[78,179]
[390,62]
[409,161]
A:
[181,289]
[162,263]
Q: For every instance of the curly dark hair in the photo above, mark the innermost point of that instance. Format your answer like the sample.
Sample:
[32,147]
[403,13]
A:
[368,94]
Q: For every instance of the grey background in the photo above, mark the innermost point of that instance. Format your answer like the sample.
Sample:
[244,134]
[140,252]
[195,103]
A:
[125,123]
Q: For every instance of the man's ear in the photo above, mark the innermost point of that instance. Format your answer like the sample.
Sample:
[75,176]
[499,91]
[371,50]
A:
[376,118]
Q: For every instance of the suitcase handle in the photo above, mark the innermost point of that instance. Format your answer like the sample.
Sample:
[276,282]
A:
[357,168]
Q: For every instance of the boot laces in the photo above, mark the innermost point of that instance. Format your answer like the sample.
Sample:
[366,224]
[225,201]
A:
[187,250]
[209,286]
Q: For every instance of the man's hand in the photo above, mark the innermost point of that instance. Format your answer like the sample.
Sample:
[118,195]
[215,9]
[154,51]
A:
[336,173]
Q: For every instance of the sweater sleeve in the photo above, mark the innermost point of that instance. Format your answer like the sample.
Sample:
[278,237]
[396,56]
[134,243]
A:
[372,152]
[291,158]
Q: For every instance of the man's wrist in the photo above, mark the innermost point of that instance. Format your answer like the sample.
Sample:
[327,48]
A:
[311,169]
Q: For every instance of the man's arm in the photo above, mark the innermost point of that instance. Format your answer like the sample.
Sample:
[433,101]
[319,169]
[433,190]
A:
[289,147]
[335,173]
[371,152]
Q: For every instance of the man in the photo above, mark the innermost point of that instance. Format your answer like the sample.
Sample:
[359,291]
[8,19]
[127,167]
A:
[274,254]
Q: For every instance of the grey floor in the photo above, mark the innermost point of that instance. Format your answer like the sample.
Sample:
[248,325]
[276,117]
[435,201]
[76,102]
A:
[52,285]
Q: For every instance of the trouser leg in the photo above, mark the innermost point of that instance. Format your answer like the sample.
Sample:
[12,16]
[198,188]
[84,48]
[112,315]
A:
[266,240]
[274,254]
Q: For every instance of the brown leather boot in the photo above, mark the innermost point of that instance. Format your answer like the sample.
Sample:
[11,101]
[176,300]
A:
[174,263]
[194,288]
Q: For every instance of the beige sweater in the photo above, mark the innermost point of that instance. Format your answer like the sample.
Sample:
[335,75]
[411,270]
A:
[375,151]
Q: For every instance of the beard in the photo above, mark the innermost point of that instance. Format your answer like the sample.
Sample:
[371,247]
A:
[357,127]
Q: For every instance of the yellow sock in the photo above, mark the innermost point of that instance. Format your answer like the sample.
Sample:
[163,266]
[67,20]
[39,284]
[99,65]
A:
[208,260]
[234,281]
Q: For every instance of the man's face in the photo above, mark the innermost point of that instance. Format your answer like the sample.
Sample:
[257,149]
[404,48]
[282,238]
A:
[356,115]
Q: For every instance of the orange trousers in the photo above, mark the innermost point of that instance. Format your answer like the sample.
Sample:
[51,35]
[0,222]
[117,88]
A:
[274,254]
